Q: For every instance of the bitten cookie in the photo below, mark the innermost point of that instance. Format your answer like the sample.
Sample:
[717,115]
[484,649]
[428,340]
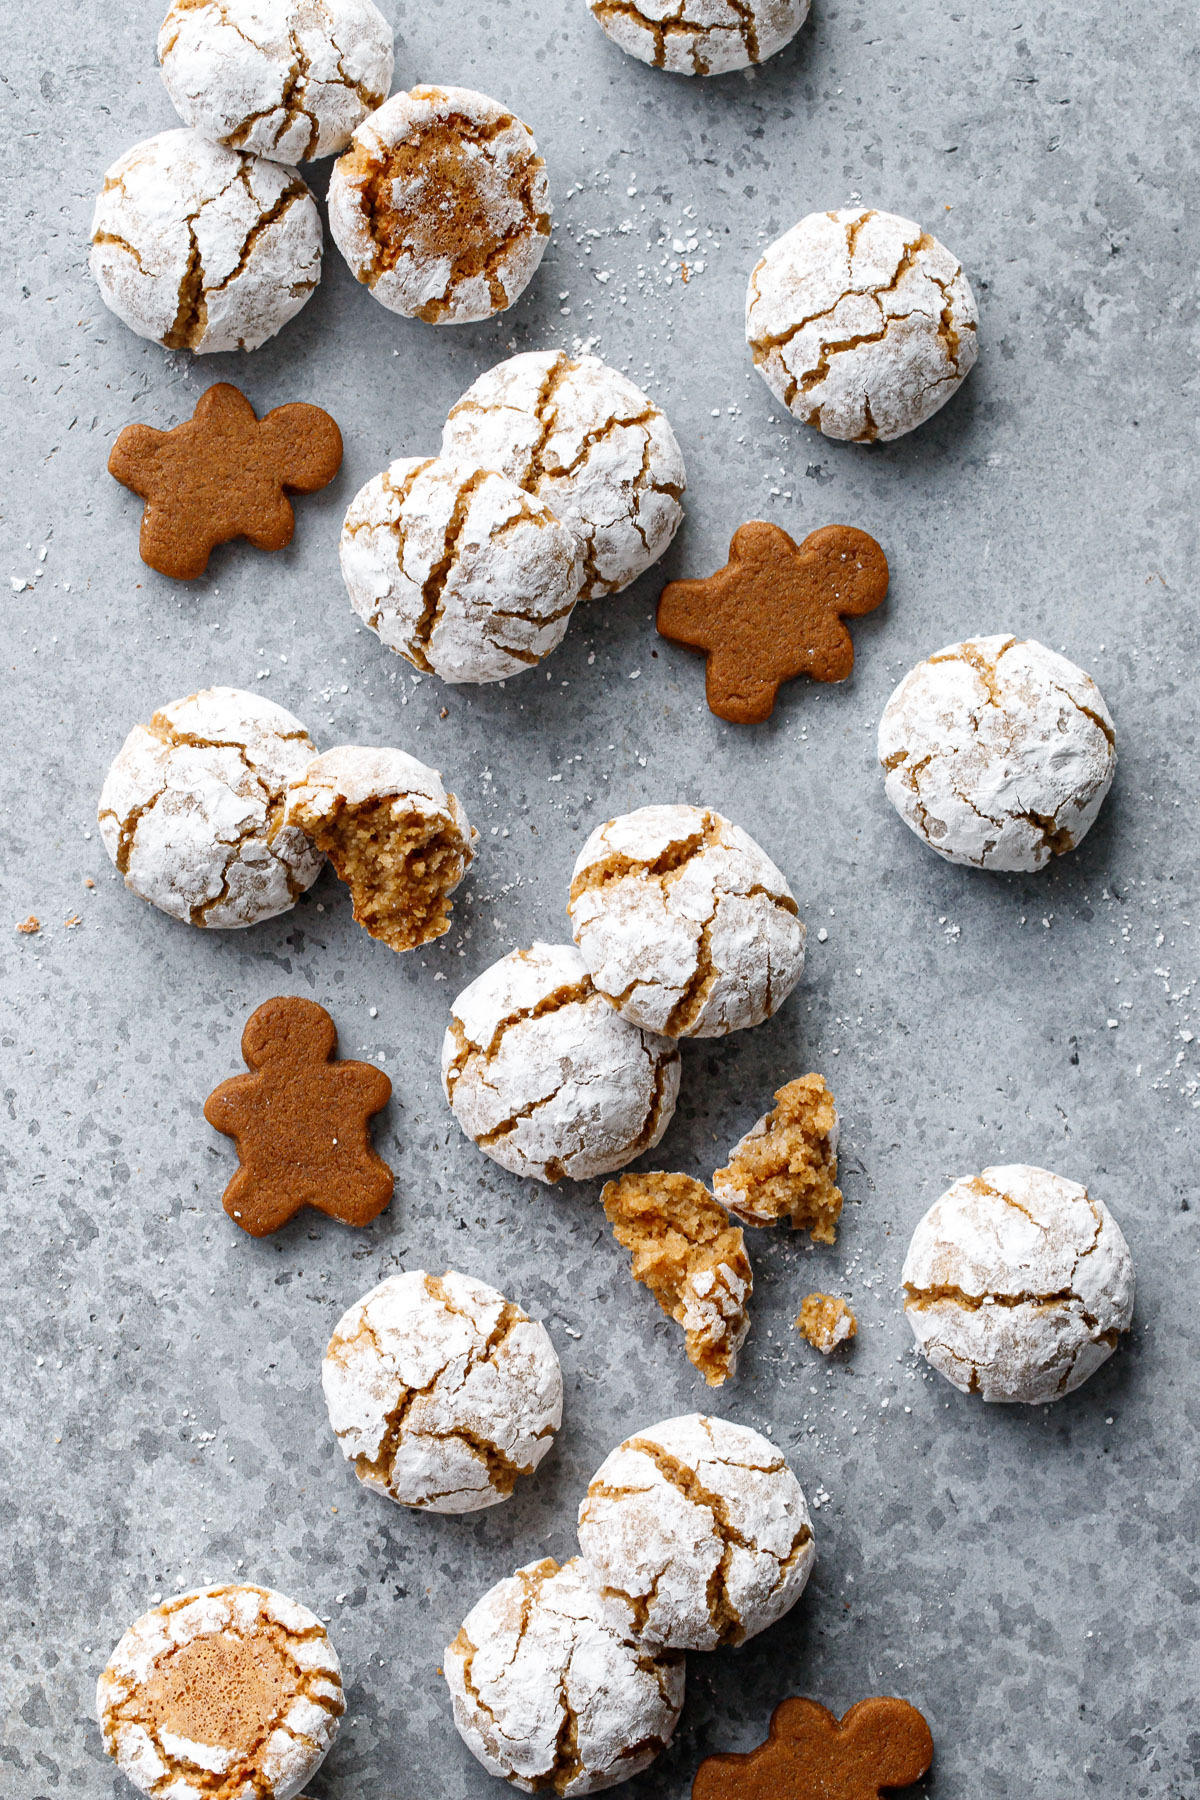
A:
[684,924]
[861,323]
[1018,1284]
[698,1533]
[441,205]
[785,1168]
[878,1744]
[700,37]
[584,439]
[219,1694]
[458,571]
[398,840]
[441,1392]
[546,1079]
[998,753]
[203,248]
[191,811]
[289,79]
[550,1693]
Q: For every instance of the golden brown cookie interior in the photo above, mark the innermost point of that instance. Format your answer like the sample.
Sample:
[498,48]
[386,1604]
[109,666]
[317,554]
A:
[785,1168]
[400,865]
[825,1321]
[222,1689]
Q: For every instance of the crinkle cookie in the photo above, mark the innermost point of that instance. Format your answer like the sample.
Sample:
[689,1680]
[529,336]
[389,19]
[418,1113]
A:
[457,570]
[684,924]
[441,205]
[698,1533]
[543,1075]
[1018,1284]
[700,37]
[441,1391]
[550,1693]
[398,840]
[203,248]
[785,1168]
[861,323]
[288,79]
[998,753]
[590,444]
[191,811]
[220,1694]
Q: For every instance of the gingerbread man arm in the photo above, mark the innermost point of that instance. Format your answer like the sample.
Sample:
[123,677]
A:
[892,1740]
[304,444]
[687,611]
[134,456]
[230,1104]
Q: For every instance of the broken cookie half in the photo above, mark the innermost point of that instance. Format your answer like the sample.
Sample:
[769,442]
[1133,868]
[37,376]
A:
[398,840]
[785,1168]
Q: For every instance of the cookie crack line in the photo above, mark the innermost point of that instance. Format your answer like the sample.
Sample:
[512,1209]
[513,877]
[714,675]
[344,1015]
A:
[925,1299]
[566,994]
[434,586]
[667,865]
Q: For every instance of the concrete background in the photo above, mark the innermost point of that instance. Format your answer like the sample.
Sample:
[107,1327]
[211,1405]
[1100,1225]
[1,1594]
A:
[1028,1578]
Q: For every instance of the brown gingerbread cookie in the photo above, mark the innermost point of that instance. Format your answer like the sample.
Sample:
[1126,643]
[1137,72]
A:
[300,1123]
[775,611]
[811,1755]
[223,473]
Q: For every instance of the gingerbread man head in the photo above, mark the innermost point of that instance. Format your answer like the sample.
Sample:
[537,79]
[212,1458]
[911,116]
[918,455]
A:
[811,1755]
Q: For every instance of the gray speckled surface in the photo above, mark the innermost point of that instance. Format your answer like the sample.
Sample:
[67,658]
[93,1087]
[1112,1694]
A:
[1029,1579]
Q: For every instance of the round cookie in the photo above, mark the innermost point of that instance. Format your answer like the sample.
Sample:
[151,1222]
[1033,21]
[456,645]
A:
[684,924]
[590,444]
[289,79]
[191,810]
[700,37]
[998,753]
[441,205]
[698,1533]
[550,1693]
[1018,1284]
[546,1079]
[441,1392]
[861,323]
[221,1693]
[203,248]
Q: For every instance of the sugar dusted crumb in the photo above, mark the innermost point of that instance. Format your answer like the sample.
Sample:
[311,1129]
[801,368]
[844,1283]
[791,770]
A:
[825,1321]
[785,1168]
[28,926]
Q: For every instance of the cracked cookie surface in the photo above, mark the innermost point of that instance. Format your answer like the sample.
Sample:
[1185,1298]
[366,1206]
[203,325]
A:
[398,840]
[203,248]
[684,924]
[584,439]
[456,569]
[697,1532]
[998,753]
[551,1693]
[785,1168]
[191,811]
[700,37]
[288,79]
[861,323]
[221,1693]
[1018,1284]
[691,1258]
[546,1079]
[441,1392]
[441,205]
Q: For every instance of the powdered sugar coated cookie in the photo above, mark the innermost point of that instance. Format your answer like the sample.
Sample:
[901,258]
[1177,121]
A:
[700,37]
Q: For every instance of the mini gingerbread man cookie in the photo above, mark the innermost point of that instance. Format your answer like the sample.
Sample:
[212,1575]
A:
[878,1744]
[300,1122]
[222,474]
[775,611]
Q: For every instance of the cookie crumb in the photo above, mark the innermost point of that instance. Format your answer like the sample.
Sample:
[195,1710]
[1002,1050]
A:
[825,1321]
[785,1168]
[28,926]
[71,923]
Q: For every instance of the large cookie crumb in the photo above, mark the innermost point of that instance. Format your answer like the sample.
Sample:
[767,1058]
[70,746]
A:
[826,1321]
[785,1168]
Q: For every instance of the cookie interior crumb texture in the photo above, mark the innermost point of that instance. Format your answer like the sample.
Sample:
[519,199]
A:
[826,1321]
[785,1168]
[692,1259]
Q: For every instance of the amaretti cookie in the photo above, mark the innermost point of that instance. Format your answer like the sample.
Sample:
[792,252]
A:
[441,205]
[203,248]
[700,37]
[691,1258]
[998,753]
[551,1693]
[458,570]
[220,1694]
[584,439]
[398,840]
[684,924]
[191,811]
[288,79]
[698,1533]
[785,1168]
[825,1321]
[861,323]
[1018,1284]
[441,1392]
[546,1079]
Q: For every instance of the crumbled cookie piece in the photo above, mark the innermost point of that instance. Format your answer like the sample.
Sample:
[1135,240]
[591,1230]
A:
[825,1321]
[691,1258]
[785,1168]
[29,926]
